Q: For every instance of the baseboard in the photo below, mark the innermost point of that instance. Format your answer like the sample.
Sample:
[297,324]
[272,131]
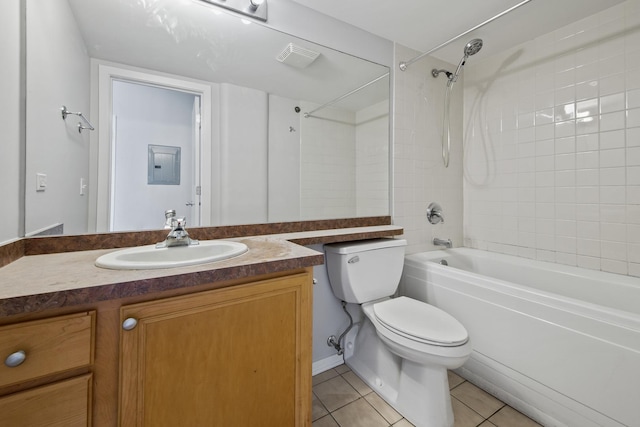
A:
[327,363]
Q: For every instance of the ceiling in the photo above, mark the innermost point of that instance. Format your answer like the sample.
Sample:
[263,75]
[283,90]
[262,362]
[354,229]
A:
[425,24]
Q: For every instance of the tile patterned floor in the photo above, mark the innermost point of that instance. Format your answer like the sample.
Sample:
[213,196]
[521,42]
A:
[341,399]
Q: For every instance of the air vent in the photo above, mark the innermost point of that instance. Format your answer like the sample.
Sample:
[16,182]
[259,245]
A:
[297,56]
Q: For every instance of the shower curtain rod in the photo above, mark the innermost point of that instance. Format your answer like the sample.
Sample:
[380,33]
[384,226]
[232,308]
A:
[405,64]
[340,98]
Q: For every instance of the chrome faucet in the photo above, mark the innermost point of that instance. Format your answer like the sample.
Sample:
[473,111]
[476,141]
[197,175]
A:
[178,235]
[441,242]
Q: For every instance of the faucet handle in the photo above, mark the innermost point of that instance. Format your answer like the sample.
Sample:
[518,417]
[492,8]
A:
[434,213]
[169,215]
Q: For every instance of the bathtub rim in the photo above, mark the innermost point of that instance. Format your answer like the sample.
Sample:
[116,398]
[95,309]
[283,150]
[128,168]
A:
[427,261]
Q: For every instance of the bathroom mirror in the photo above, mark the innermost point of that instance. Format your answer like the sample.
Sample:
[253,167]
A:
[266,146]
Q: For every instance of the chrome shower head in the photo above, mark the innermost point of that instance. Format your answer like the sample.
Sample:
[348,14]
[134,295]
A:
[472,47]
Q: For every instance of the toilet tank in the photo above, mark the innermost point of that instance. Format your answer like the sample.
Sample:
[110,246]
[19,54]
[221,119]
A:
[365,270]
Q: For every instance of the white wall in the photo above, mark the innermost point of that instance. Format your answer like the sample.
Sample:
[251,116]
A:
[54,147]
[552,158]
[10,123]
[327,164]
[372,160]
[419,174]
[243,155]
[284,160]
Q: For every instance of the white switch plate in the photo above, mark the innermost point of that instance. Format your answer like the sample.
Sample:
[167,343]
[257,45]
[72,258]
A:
[83,186]
[41,181]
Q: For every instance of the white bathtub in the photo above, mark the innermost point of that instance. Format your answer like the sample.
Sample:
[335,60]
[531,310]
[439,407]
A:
[559,343]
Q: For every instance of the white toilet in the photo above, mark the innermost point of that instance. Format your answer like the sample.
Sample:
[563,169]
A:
[402,347]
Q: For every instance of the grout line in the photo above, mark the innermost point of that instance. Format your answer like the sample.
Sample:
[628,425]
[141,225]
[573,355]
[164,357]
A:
[458,385]
[476,412]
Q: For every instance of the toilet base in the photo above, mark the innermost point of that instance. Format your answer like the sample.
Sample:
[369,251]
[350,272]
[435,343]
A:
[419,392]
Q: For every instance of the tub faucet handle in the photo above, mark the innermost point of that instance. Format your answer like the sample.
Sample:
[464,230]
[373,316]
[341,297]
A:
[434,213]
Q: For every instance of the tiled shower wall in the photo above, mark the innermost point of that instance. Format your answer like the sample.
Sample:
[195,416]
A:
[344,162]
[419,174]
[372,160]
[327,174]
[552,145]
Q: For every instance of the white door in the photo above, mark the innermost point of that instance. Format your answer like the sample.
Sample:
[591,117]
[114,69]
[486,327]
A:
[155,156]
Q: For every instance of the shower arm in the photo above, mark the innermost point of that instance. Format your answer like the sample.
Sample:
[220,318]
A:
[405,64]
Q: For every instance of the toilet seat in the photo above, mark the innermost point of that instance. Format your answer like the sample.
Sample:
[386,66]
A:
[420,322]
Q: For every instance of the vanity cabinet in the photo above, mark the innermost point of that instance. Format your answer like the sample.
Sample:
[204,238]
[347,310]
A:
[42,355]
[234,356]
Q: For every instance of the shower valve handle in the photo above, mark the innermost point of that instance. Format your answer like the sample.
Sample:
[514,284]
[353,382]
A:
[434,213]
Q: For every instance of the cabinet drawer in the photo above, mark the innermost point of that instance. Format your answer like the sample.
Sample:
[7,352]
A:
[51,345]
[62,404]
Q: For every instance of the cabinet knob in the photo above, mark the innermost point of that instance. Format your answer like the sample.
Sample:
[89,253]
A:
[129,323]
[15,359]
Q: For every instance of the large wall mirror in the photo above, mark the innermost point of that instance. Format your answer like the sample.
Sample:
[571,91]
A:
[223,119]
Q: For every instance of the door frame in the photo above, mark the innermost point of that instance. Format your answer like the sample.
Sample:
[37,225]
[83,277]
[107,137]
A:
[101,143]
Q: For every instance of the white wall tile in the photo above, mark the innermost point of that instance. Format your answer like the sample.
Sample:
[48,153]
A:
[633,116]
[588,142]
[614,139]
[633,175]
[612,121]
[611,103]
[633,137]
[633,97]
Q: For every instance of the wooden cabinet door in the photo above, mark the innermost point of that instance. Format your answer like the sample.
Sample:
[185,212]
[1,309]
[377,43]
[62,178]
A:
[238,356]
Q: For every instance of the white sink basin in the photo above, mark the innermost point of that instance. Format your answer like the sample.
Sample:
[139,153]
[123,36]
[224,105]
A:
[150,257]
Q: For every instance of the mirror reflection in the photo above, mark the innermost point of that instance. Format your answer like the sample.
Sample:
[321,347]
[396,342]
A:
[268,127]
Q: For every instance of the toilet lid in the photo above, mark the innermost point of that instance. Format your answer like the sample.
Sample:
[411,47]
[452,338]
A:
[419,321]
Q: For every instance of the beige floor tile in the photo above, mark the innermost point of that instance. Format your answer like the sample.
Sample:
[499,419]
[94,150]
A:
[355,381]
[324,376]
[463,415]
[403,423]
[335,393]
[487,423]
[317,409]
[477,399]
[383,408]
[326,421]
[359,414]
[509,417]
[341,369]
[454,379]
